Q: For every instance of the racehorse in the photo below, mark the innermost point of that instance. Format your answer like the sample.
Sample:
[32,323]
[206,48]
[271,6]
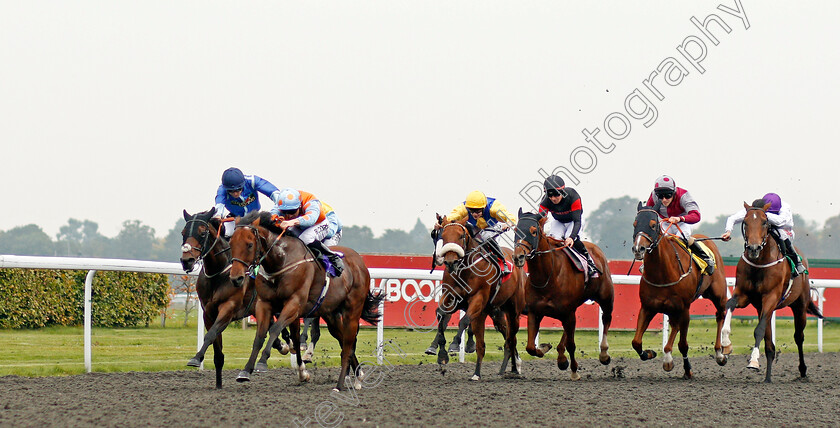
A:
[670,283]
[556,289]
[222,301]
[763,279]
[472,282]
[296,285]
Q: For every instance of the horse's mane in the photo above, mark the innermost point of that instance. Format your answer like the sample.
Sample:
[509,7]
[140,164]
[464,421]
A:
[264,218]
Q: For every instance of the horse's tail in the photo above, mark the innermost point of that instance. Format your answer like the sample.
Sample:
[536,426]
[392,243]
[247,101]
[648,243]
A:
[370,312]
[814,310]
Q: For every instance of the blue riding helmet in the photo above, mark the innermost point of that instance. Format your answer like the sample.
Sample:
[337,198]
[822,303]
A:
[233,179]
[289,199]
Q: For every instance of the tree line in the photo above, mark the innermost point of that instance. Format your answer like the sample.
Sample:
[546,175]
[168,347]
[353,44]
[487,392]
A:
[610,226]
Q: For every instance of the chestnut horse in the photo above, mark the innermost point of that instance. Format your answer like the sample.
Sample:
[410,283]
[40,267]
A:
[472,282]
[221,300]
[670,283]
[295,285]
[763,279]
[556,289]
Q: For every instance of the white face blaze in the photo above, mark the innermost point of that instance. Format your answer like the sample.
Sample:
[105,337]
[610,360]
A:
[186,248]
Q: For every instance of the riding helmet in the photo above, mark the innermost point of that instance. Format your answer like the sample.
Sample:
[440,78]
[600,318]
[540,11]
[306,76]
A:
[233,179]
[289,199]
[665,182]
[476,199]
[775,202]
[554,182]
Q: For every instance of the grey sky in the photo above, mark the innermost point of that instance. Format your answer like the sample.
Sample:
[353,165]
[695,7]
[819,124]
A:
[394,110]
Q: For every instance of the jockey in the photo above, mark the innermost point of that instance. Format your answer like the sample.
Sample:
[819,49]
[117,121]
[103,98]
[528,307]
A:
[780,216]
[566,218]
[237,195]
[680,209]
[490,216]
[312,221]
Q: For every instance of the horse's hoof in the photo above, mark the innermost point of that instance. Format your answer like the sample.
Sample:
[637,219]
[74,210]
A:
[768,381]
[475,377]
[305,376]
[563,365]
[307,356]
[470,347]
[284,349]
[605,360]
[545,347]
[575,376]
[336,390]
[722,361]
[193,362]
[261,368]
[243,377]
[688,375]
[647,355]
[432,350]
[753,365]
[727,350]
[454,348]
[668,366]
[443,359]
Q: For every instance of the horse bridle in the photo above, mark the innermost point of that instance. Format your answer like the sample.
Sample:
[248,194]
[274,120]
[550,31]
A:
[204,250]
[532,253]
[653,242]
[252,268]
[766,231]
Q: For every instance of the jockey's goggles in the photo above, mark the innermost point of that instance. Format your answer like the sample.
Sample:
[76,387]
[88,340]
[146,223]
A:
[475,210]
[234,190]
[288,212]
[664,194]
[552,193]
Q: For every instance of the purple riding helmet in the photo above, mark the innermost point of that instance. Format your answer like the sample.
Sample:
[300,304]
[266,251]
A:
[775,202]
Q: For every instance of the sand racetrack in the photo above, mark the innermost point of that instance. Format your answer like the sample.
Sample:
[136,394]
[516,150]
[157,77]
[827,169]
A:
[627,392]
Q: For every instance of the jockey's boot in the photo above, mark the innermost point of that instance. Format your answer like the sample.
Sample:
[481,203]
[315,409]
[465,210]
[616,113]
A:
[335,260]
[710,264]
[800,268]
[497,251]
[580,248]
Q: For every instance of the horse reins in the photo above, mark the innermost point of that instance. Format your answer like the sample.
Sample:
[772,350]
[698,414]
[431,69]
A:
[655,243]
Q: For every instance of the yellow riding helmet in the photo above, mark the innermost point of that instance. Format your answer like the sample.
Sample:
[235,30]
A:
[476,199]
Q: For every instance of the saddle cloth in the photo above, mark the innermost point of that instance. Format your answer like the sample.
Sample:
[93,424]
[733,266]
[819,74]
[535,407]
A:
[579,262]
[701,264]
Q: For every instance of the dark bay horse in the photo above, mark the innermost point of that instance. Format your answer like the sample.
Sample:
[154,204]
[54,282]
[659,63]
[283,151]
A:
[763,279]
[670,283]
[471,282]
[221,300]
[295,285]
[556,289]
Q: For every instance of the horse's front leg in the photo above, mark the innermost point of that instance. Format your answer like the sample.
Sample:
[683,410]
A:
[562,361]
[262,312]
[569,325]
[668,359]
[531,348]
[765,330]
[739,300]
[645,317]
[477,319]
[217,321]
[440,338]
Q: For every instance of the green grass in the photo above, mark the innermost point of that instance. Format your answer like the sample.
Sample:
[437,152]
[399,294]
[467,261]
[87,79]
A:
[60,350]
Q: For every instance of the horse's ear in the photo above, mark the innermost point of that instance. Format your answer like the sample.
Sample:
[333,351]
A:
[462,221]
[186,215]
[439,218]
[256,222]
[212,211]
[543,219]
[639,208]
[766,207]
[746,206]
[520,212]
